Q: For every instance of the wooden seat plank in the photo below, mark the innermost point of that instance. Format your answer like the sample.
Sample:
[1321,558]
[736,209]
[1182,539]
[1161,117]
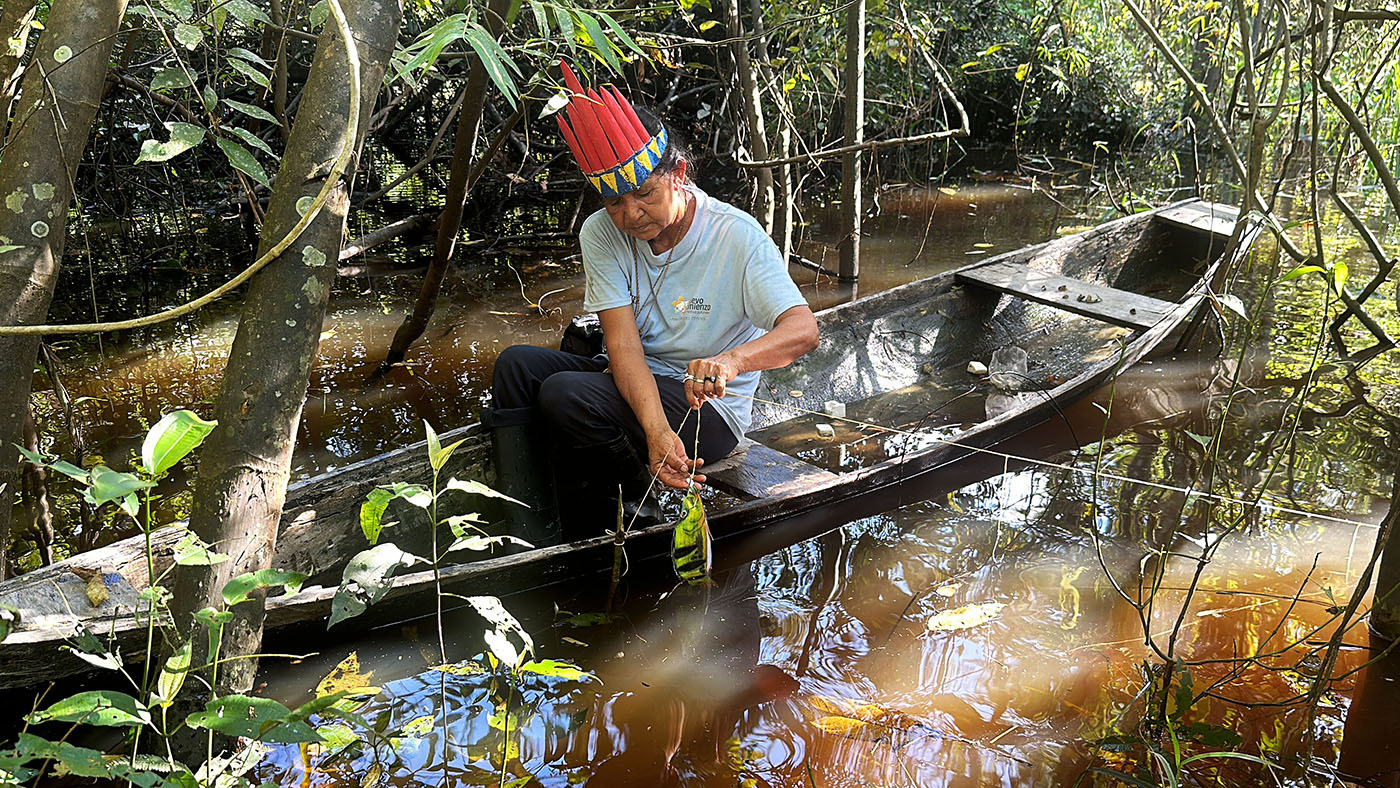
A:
[1205,216]
[1100,302]
[753,470]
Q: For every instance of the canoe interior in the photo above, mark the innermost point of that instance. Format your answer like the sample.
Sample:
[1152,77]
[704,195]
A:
[899,359]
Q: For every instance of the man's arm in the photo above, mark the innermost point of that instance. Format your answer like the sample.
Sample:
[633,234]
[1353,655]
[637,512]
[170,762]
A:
[794,334]
[666,457]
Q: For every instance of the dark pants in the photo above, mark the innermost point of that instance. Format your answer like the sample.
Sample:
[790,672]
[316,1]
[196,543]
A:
[580,406]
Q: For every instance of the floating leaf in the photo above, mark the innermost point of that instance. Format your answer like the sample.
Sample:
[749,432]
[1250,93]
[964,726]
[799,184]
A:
[841,726]
[965,617]
[949,590]
[347,679]
[183,136]
[96,707]
[559,670]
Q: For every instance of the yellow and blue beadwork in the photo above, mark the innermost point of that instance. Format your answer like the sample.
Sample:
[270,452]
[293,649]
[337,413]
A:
[630,174]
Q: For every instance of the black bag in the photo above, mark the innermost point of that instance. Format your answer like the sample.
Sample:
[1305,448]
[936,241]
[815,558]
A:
[583,336]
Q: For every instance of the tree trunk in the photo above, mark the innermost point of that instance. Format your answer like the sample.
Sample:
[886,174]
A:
[64,82]
[1385,605]
[855,134]
[15,16]
[244,466]
[459,184]
[753,114]
[784,199]
[39,508]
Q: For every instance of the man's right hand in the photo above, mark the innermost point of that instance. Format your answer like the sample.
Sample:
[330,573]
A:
[668,462]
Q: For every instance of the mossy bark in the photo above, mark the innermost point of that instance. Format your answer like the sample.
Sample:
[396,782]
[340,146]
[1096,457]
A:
[59,94]
[245,464]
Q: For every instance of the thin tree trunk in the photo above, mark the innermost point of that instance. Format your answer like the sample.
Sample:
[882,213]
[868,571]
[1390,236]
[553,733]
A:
[244,466]
[459,184]
[279,73]
[40,509]
[855,134]
[785,201]
[58,101]
[1385,605]
[15,16]
[753,114]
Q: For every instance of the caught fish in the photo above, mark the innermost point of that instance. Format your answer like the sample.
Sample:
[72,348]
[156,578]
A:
[690,540]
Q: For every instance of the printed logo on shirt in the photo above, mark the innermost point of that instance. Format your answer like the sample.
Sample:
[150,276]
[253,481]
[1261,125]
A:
[694,307]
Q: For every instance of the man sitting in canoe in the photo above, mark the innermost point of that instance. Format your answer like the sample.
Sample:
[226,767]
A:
[694,300]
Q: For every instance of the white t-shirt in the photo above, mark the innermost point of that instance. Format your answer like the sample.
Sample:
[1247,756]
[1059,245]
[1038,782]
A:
[724,284]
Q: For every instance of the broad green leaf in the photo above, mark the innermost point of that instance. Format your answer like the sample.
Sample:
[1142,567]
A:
[66,468]
[477,488]
[319,14]
[173,78]
[96,707]
[239,589]
[1023,71]
[557,669]
[250,71]
[431,43]
[251,57]
[541,18]
[1233,303]
[601,44]
[189,36]
[246,12]
[172,439]
[1340,272]
[372,513]
[263,719]
[253,111]
[183,136]
[77,761]
[209,98]
[708,24]
[373,569]
[109,485]
[344,605]
[182,9]
[460,523]
[172,676]
[415,494]
[103,661]
[242,160]
[492,57]
[565,20]
[250,138]
[213,621]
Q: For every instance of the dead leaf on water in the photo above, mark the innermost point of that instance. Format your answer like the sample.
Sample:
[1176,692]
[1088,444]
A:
[835,706]
[574,642]
[841,726]
[347,676]
[965,617]
[373,775]
[949,590]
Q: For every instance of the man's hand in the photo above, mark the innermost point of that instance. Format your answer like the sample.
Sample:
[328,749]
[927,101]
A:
[668,462]
[707,377]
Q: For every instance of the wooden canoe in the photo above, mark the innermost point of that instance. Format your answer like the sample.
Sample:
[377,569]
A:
[1083,307]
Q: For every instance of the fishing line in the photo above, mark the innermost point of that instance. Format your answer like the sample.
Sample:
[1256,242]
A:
[1071,468]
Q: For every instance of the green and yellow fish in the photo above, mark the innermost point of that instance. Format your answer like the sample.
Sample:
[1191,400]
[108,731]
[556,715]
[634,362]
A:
[690,540]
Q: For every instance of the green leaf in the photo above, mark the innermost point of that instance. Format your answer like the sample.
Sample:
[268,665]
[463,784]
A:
[172,676]
[620,33]
[263,719]
[96,707]
[239,589]
[437,454]
[1023,71]
[492,57]
[319,14]
[9,619]
[559,670]
[209,98]
[565,20]
[345,605]
[109,485]
[431,43]
[479,543]
[103,661]
[541,19]
[8,248]
[242,160]
[372,513]
[174,78]
[252,111]
[182,9]
[250,138]
[79,761]
[373,569]
[192,551]
[188,36]
[1299,271]
[251,57]
[246,12]
[183,136]
[477,488]
[601,44]
[250,71]
[1340,272]
[1233,303]
[708,24]
[172,439]
[66,468]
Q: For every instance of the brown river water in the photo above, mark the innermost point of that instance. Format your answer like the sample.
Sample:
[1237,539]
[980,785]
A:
[981,634]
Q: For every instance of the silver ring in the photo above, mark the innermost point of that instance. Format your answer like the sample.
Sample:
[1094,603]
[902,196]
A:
[711,379]
[688,378]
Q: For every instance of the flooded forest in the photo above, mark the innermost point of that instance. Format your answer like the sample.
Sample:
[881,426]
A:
[1086,477]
